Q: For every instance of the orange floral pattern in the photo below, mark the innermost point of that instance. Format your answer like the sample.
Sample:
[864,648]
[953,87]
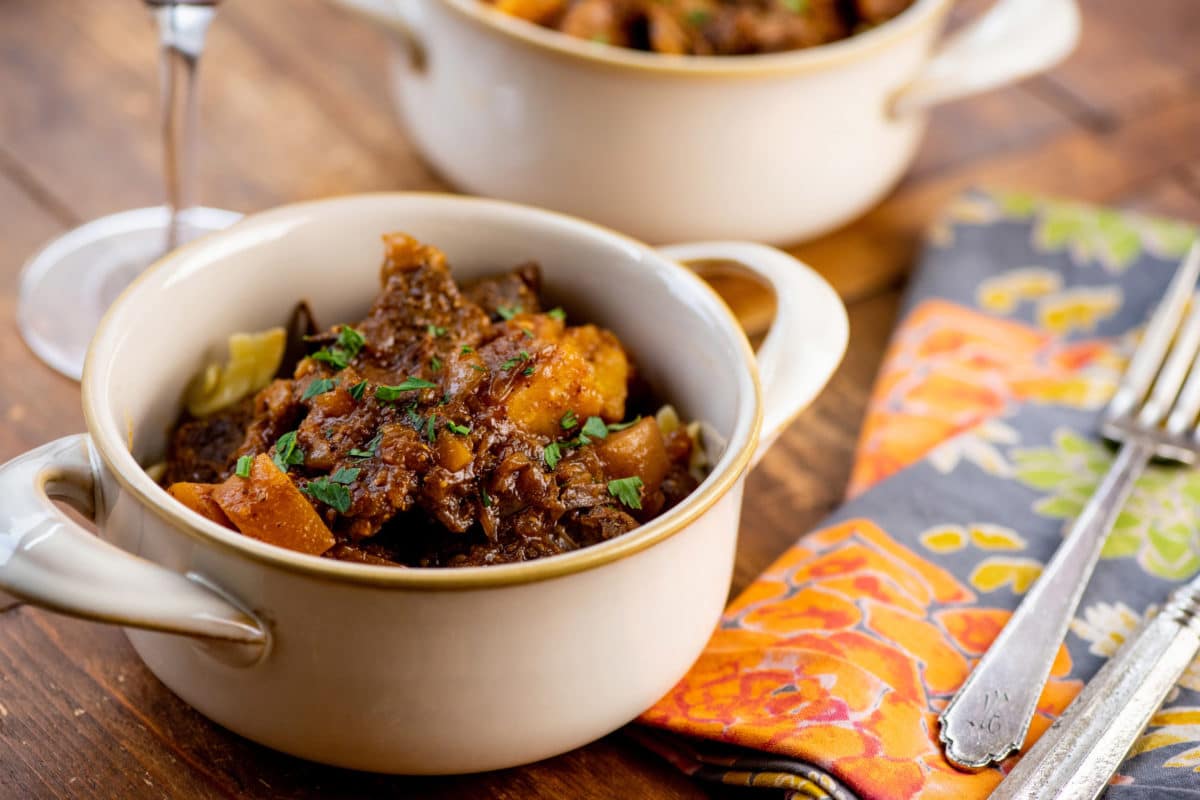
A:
[949,368]
[826,675]
[841,655]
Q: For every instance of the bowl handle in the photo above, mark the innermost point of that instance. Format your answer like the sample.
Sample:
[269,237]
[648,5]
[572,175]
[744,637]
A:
[1012,40]
[50,561]
[398,18]
[806,340]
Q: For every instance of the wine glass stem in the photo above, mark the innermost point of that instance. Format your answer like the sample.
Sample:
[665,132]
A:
[182,28]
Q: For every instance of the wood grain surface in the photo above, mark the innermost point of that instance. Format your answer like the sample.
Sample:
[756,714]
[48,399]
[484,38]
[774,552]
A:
[295,107]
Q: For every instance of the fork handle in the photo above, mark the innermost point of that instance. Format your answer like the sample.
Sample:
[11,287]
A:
[1078,755]
[989,717]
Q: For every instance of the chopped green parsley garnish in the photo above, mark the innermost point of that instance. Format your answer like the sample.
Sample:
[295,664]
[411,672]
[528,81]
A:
[390,393]
[517,359]
[371,449]
[557,313]
[528,333]
[527,371]
[466,348]
[431,428]
[478,368]
[333,356]
[594,428]
[552,453]
[345,475]
[436,330]
[413,417]
[286,453]
[620,426]
[435,363]
[349,343]
[319,386]
[243,467]
[508,312]
[356,391]
[627,490]
[331,493]
[483,495]
[461,430]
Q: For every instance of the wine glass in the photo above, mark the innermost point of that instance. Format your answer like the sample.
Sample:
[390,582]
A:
[66,286]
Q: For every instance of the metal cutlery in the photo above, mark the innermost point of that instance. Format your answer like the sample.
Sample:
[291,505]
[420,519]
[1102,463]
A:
[1152,413]
[1077,756]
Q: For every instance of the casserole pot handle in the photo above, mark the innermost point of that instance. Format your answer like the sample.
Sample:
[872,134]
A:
[52,562]
[806,340]
[1012,40]
[396,17]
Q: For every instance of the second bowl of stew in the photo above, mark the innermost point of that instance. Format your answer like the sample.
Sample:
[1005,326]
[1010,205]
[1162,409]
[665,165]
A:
[677,120]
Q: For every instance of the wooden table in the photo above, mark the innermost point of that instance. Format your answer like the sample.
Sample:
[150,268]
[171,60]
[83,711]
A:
[295,107]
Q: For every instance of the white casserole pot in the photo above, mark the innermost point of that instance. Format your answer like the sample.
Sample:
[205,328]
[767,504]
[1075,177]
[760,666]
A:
[386,668]
[772,148]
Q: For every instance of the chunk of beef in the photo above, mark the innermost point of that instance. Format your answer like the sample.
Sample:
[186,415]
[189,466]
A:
[203,450]
[518,291]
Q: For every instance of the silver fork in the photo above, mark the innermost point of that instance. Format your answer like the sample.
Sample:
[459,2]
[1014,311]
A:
[1152,413]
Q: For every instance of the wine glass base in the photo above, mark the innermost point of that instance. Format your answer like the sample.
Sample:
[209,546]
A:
[66,287]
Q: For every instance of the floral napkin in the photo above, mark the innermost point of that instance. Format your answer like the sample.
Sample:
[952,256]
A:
[826,676]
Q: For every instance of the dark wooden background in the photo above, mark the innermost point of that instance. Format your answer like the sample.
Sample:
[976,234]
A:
[294,107]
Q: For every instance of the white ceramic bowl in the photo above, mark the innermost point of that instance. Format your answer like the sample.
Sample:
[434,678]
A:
[772,148]
[393,669]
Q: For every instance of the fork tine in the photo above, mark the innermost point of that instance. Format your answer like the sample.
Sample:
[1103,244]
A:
[1180,357]
[1187,406]
[1157,338]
